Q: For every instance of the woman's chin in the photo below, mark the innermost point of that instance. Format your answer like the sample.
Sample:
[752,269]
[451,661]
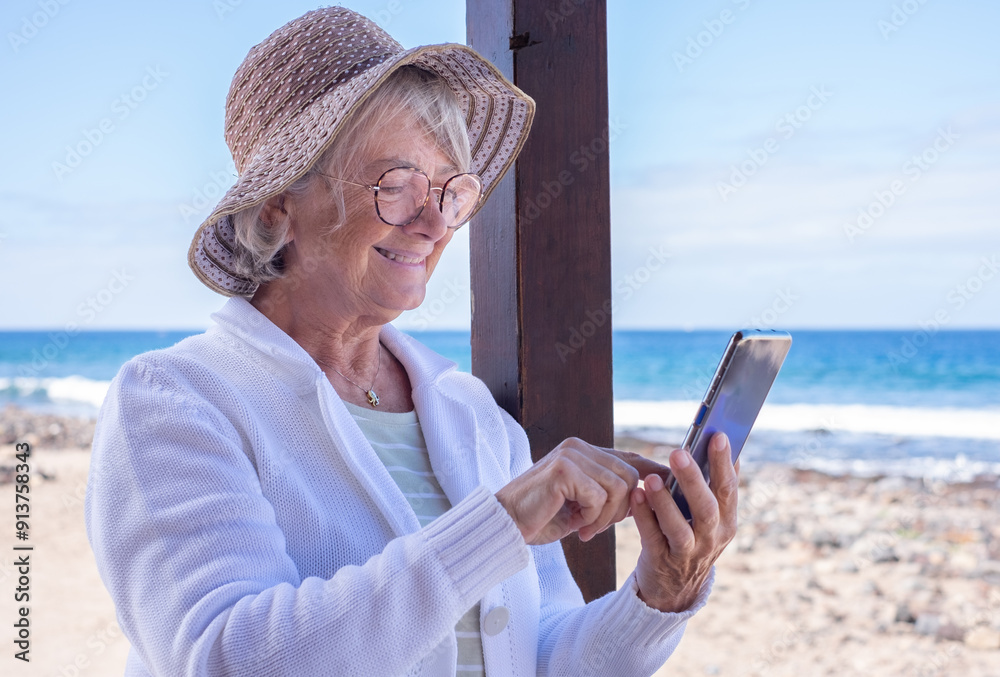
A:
[414,304]
[406,301]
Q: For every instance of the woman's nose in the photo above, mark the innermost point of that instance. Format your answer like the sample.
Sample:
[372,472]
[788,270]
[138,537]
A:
[431,222]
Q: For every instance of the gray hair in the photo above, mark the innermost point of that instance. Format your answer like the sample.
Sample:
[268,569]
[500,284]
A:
[258,254]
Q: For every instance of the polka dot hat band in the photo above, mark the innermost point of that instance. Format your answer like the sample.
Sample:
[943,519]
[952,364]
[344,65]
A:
[292,94]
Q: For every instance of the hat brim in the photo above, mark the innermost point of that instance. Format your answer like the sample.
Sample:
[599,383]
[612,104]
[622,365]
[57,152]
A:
[498,116]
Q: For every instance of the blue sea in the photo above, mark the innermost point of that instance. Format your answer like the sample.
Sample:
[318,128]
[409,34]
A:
[861,402]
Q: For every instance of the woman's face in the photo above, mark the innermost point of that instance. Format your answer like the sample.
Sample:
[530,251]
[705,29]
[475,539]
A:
[367,267]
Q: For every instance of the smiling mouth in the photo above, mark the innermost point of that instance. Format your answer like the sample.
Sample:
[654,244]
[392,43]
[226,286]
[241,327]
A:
[398,257]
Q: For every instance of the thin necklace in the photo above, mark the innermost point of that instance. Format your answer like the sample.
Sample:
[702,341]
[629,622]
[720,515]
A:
[372,397]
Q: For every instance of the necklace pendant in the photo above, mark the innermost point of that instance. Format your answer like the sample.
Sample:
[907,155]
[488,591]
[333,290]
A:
[372,397]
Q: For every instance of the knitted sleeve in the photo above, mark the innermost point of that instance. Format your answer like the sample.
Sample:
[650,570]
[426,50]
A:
[195,562]
[617,634]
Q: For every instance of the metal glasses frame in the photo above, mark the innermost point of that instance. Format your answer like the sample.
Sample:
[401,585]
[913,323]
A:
[430,188]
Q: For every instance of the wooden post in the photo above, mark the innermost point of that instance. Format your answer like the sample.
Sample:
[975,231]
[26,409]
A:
[541,247]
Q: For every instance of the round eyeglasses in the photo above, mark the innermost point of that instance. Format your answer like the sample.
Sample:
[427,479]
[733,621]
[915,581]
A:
[401,194]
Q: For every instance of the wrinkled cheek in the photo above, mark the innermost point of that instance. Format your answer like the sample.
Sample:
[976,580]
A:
[431,263]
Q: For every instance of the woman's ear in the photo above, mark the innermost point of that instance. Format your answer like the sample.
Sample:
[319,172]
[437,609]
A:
[275,215]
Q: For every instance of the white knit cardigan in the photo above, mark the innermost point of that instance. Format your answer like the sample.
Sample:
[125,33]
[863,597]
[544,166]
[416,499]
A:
[244,526]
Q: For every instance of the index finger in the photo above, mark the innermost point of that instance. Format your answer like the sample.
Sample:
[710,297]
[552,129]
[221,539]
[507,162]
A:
[645,466]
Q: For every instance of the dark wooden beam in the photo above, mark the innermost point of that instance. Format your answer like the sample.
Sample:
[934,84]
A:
[541,247]
[496,317]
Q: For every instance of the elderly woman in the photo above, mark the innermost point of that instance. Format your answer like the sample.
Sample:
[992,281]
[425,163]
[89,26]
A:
[303,489]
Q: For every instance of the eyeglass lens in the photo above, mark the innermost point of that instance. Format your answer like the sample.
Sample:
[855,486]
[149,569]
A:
[403,191]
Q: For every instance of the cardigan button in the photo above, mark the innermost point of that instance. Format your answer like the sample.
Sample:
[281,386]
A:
[496,620]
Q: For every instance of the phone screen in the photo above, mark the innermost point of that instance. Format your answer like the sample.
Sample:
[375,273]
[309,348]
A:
[734,398]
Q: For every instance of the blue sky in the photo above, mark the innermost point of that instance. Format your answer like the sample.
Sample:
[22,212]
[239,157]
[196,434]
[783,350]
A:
[823,164]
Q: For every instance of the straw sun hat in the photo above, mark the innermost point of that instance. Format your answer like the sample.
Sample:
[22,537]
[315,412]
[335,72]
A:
[292,94]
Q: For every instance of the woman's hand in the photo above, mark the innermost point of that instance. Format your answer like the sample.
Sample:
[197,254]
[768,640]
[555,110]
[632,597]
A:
[576,487]
[677,557]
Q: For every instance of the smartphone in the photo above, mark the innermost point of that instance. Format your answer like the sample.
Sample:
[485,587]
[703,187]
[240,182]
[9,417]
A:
[735,395]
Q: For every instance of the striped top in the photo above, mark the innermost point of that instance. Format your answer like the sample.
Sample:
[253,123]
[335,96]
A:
[399,443]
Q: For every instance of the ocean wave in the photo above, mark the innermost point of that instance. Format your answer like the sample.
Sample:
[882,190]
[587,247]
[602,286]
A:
[906,422]
[70,390]
[977,424]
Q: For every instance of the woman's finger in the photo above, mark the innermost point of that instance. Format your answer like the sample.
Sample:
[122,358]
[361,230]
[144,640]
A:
[552,499]
[616,489]
[578,499]
[609,458]
[701,501]
[584,490]
[673,526]
[724,482]
[642,465]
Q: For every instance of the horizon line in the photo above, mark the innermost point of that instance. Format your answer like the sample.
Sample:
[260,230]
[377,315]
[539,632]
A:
[685,330]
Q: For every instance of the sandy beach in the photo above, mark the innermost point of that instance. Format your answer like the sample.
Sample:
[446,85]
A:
[828,575]
[73,628]
[847,576]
